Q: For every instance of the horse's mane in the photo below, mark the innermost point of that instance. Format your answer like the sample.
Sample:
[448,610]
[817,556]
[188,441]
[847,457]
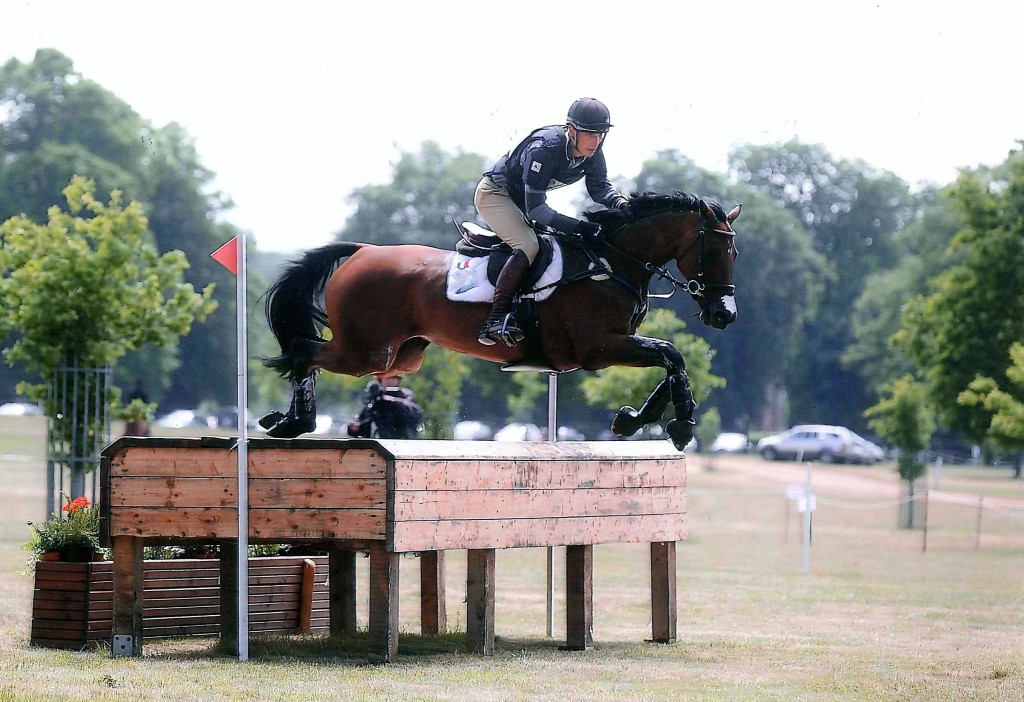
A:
[644,205]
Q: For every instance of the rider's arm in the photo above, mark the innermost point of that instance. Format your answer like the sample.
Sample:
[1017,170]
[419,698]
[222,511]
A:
[600,189]
[538,167]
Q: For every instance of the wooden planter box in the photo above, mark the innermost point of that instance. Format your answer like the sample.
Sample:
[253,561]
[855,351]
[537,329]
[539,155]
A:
[72,604]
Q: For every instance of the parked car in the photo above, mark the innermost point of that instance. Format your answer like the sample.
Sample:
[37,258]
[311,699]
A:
[820,442]
[471,430]
[730,442]
[19,409]
[518,431]
[179,419]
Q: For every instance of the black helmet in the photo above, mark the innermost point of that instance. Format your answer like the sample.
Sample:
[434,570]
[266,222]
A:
[589,115]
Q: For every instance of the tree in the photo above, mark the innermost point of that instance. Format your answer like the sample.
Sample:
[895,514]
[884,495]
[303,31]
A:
[907,420]
[427,191]
[853,214]
[87,287]
[975,311]
[1007,410]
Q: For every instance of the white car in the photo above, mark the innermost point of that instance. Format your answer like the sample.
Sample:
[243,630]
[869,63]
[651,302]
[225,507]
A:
[730,442]
[819,442]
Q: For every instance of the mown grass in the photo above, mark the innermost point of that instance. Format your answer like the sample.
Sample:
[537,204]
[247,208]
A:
[876,618]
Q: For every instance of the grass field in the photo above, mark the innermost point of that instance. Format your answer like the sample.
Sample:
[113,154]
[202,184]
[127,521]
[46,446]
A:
[876,617]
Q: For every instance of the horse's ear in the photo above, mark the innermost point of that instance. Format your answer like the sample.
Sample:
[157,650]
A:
[734,213]
[705,211]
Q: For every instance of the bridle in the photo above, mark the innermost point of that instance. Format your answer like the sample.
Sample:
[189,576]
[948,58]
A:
[696,287]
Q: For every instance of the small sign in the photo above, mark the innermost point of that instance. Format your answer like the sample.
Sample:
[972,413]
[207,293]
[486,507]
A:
[794,491]
[802,504]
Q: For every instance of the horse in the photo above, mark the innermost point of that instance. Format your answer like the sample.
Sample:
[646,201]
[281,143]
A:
[386,304]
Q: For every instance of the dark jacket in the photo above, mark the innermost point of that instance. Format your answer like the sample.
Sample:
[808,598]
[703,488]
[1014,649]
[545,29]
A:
[542,162]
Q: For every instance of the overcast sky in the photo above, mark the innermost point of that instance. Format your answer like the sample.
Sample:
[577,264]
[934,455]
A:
[294,104]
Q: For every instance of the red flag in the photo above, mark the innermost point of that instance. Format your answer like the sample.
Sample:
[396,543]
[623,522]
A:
[227,255]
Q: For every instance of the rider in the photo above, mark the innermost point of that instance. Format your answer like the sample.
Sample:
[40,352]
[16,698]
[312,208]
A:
[517,185]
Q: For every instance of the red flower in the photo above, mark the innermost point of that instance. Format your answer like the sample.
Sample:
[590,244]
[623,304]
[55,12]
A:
[76,504]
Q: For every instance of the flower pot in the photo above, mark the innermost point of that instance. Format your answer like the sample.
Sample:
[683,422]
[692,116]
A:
[50,556]
[77,554]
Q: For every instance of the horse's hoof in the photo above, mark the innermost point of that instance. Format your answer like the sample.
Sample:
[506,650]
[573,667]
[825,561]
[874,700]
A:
[287,429]
[270,419]
[681,432]
[626,422]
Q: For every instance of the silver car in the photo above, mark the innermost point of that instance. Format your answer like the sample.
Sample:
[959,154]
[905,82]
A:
[819,442]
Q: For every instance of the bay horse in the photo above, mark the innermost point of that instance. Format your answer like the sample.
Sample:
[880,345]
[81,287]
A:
[386,304]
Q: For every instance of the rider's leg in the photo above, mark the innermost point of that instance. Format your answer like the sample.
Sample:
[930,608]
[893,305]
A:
[506,219]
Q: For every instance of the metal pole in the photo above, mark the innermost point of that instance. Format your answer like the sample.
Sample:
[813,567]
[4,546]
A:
[552,436]
[805,561]
[977,533]
[243,460]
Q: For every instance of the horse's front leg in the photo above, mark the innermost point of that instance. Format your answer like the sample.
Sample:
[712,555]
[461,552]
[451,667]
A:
[644,352]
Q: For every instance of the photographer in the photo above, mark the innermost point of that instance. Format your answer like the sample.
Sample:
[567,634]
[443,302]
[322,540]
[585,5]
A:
[389,412]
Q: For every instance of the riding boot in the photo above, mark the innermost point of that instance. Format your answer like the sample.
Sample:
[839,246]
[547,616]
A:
[501,325]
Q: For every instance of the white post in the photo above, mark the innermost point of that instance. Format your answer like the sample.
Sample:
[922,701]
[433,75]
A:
[552,436]
[805,561]
[243,460]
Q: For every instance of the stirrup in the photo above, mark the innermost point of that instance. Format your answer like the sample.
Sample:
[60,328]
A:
[508,333]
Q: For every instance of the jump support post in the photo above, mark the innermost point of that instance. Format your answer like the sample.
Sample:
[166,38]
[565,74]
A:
[393,497]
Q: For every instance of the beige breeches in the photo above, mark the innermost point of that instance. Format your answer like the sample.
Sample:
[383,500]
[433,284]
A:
[502,215]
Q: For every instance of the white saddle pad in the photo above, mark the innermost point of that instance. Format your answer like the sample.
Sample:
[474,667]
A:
[467,278]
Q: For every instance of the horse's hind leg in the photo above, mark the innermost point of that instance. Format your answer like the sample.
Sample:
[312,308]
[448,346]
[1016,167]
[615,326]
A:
[301,416]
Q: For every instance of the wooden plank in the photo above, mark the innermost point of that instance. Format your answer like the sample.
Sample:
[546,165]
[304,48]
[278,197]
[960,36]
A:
[433,615]
[579,598]
[663,591]
[506,504]
[317,493]
[383,604]
[513,533]
[556,473]
[316,463]
[177,491]
[480,601]
[174,523]
[170,461]
[306,597]
[317,524]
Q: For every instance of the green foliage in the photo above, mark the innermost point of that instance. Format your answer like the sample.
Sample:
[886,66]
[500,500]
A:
[438,388]
[907,420]
[975,310]
[88,285]
[77,526]
[618,386]
[709,425]
[427,190]
[1007,410]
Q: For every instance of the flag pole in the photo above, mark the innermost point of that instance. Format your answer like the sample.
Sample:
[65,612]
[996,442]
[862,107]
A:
[243,459]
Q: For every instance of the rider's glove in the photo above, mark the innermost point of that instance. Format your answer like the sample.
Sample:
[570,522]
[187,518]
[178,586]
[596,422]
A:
[625,209]
[590,232]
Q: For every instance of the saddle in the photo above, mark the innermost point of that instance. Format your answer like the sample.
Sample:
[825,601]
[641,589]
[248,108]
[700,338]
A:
[476,242]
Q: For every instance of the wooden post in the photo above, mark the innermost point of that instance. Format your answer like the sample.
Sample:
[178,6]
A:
[229,596]
[579,598]
[480,601]
[663,591]
[342,576]
[306,596]
[433,617]
[383,604]
[126,628]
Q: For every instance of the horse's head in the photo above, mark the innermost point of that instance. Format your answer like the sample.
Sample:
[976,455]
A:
[708,264]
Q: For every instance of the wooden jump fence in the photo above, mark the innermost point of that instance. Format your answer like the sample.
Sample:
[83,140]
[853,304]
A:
[346,496]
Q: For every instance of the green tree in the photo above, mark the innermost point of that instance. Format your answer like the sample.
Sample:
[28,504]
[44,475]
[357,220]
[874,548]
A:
[1007,409]
[853,213]
[428,189]
[975,311]
[88,286]
[907,420]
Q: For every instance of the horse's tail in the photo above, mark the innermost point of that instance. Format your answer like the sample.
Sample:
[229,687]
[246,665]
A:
[294,308]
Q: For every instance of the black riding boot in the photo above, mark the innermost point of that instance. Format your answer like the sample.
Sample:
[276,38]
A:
[501,325]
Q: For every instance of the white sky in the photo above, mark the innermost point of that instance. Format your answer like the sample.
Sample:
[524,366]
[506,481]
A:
[296,103]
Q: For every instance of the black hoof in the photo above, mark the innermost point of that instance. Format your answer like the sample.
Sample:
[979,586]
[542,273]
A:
[290,428]
[681,432]
[270,419]
[627,422]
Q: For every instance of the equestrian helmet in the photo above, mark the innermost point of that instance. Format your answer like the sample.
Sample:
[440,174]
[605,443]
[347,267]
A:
[589,115]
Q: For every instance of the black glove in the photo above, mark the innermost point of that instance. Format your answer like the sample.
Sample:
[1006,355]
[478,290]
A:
[625,209]
[590,232]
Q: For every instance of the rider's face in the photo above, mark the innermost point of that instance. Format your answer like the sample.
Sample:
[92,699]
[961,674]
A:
[585,143]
